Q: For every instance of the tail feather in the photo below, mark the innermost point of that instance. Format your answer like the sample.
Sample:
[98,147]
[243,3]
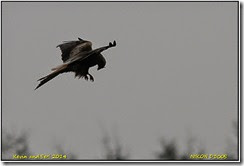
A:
[46,79]
[49,77]
[41,78]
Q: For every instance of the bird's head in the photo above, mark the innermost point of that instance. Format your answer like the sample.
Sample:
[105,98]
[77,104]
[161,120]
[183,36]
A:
[101,62]
[100,67]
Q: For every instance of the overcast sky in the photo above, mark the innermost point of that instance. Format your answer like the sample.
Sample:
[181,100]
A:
[173,74]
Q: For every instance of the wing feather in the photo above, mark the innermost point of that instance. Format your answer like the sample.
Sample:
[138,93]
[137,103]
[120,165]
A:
[80,56]
[67,47]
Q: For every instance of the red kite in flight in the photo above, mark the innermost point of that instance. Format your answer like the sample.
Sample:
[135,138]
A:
[78,57]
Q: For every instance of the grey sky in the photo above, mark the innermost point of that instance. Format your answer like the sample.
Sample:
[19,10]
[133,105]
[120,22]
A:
[172,74]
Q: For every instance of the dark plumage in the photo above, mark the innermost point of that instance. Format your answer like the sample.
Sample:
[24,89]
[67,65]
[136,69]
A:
[78,57]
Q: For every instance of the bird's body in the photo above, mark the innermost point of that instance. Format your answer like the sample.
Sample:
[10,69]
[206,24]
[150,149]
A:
[78,57]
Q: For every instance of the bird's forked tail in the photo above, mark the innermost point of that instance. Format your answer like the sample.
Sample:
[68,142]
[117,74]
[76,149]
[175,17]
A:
[58,70]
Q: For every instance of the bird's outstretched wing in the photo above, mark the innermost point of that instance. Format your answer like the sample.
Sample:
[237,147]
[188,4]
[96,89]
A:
[79,56]
[80,49]
[68,46]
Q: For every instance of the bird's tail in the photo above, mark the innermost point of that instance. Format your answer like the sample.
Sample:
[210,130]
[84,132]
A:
[58,70]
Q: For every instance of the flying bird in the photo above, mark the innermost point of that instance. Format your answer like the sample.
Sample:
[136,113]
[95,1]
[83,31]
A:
[78,57]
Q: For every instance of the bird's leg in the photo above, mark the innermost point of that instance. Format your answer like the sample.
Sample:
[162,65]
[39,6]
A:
[91,77]
[86,77]
[79,76]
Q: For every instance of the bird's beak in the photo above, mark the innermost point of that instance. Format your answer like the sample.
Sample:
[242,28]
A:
[99,68]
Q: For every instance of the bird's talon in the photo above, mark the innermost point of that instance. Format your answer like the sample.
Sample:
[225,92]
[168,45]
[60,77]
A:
[86,77]
[91,78]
